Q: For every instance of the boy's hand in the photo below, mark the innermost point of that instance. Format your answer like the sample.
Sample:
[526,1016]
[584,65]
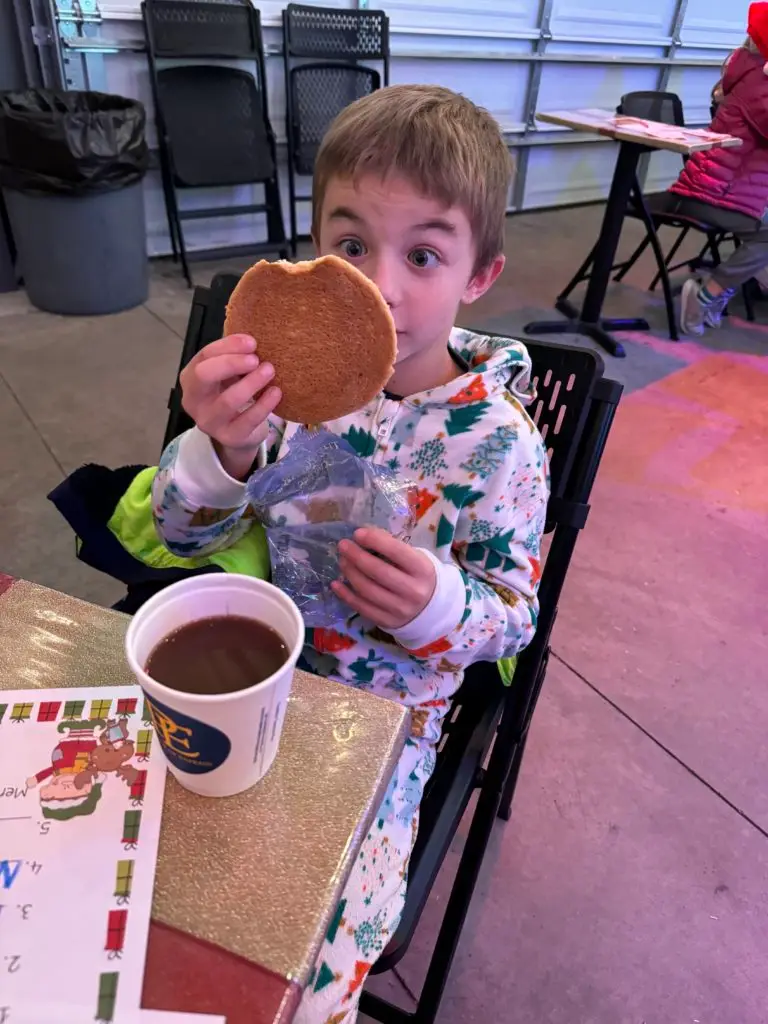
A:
[226,391]
[385,579]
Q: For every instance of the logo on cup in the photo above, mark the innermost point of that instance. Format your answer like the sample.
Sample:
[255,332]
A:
[190,745]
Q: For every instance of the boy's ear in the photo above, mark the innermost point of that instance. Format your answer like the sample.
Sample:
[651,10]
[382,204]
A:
[483,279]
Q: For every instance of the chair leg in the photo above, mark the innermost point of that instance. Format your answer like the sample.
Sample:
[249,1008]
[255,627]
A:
[5,226]
[167,183]
[507,796]
[669,257]
[428,1004]
[174,212]
[292,203]
[746,294]
[518,739]
[626,267]
[458,904]
[493,781]
[653,240]
[275,224]
[172,231]
[711,239]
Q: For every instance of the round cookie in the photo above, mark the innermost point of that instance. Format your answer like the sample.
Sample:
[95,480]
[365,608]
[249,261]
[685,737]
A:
[324,327]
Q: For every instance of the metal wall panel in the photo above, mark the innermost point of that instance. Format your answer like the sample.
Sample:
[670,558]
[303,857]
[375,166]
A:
[512,56]
[613,19]
[501,16]
[480,82]
[715,23]
[270,9]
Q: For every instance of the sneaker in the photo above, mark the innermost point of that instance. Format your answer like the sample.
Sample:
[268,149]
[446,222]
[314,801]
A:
[715,312]
[693,314]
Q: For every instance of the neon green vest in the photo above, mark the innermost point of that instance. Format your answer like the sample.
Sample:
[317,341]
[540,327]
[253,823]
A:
[134,527]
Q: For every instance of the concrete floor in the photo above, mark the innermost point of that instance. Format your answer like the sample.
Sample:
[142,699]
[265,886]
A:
[629,885]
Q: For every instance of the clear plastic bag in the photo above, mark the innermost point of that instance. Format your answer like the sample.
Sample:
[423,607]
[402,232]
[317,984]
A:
[319,493]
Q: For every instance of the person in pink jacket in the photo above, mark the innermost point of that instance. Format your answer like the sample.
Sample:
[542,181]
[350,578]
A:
[728,188]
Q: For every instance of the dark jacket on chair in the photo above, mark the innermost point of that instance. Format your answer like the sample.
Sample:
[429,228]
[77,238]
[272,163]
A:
[735,179]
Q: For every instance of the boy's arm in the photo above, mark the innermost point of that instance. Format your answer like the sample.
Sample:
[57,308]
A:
[485,607]
[198,508]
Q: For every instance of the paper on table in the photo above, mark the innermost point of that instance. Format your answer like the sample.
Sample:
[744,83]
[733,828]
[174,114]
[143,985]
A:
[658,130]
[608,122]
[81,795]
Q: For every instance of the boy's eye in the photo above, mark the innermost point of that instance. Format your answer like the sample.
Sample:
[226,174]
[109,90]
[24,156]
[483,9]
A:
[352,248]
[424,259]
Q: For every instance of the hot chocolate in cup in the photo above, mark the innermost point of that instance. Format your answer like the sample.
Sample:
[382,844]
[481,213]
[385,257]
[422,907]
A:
[216,743]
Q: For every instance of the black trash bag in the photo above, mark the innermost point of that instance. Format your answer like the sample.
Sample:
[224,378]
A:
[70,143]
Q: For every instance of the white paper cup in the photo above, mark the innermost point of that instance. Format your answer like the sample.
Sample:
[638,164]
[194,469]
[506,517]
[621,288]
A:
[216,744]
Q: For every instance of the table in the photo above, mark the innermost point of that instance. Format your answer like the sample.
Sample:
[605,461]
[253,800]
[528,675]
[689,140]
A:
[636,137]
[237,918]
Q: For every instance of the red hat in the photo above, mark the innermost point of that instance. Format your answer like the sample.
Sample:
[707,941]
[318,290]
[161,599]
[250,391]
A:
[757,27]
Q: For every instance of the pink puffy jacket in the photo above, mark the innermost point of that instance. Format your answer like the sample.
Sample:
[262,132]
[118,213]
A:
[736,179]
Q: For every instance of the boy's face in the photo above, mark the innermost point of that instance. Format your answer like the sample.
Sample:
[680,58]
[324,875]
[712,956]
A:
[419,253]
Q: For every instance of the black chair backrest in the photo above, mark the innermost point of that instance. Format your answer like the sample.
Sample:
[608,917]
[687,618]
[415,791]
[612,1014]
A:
[564,378]
[332,34]
[319,91]
[212,118]
[575,456]
[322,51]
[205,324]
[203,28]
[573,410]
[208,147]
[666,107]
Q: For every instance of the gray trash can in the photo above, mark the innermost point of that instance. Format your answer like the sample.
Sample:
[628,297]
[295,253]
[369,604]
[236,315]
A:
[82,255]
[71,167]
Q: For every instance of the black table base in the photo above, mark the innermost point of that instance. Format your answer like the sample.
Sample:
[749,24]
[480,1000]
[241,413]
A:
[589,322]
[599,332]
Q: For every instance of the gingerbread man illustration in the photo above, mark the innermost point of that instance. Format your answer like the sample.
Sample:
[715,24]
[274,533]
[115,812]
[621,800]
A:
[89,750]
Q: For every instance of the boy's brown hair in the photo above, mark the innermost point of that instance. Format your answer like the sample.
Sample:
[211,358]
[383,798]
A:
[449,148]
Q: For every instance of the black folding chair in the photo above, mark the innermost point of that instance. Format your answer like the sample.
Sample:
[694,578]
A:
[667,107]
[321,50]
[205,324]
[574,411]
[212,122]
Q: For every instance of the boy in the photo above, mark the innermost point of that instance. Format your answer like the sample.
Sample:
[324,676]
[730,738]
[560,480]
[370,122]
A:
[411,186]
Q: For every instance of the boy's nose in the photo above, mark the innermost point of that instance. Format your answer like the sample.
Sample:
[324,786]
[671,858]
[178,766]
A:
[384,275]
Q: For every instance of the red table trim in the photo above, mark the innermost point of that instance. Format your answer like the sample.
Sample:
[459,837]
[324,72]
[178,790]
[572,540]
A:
[187,974]
[6,582]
